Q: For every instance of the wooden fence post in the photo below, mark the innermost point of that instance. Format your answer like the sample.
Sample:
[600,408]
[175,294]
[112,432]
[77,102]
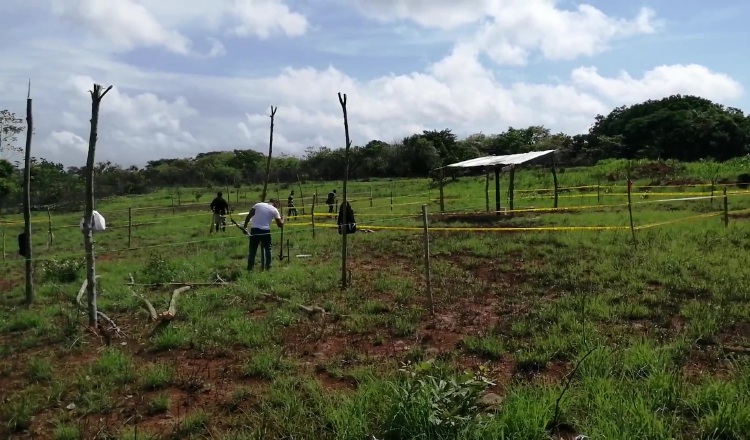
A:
[3,245]
[49,228]
[554,178]
[370,196]
[630,210]
[345,221]
[442,198]
[487,190]
[29,267]
[427,273]
[512,187]
[312,216]
[172,197]
[391,200]
[726,208]
[130,227]
[598,192]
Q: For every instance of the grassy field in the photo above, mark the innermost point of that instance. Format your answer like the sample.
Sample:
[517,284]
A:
[646,341]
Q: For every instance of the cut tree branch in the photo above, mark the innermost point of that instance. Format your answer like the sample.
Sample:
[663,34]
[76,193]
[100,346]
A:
[268,160]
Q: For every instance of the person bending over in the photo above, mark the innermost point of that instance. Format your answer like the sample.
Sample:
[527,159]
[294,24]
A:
[260,233]
[220,208]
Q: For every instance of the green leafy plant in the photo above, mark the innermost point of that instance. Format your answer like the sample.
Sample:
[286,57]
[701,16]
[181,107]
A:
[63,270]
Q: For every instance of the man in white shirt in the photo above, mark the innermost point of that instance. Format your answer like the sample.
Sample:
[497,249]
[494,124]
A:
[260,233]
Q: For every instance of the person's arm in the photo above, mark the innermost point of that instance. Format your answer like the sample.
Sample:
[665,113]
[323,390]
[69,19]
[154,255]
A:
[213,205]
[248,217]
[279,219]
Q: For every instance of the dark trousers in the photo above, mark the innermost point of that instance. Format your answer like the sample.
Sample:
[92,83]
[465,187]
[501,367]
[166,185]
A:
[292,211]
[260,237]
[330,208]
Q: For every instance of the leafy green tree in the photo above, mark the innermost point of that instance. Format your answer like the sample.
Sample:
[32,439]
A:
[10,127]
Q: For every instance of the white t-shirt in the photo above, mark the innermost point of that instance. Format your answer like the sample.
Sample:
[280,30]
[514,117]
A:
[265,213]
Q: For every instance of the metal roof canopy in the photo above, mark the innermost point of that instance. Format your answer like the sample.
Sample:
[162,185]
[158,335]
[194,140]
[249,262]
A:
[502,163]
[508,159]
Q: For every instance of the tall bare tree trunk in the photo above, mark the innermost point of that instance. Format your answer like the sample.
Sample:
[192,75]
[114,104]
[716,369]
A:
[268,161]
[88,216]
[27,201]
[344,281]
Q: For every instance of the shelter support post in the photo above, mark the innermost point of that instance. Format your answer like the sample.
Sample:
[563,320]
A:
[511,187]
[497,190]
[554,177]
[442,198]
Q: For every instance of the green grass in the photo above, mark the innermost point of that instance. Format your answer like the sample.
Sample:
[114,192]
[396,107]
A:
[514,313]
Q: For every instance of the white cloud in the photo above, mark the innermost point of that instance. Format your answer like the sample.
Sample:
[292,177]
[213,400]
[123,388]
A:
[254,19]
[126,23]
[129,24]
[509,31]
[660,81]
[154,113]
[65,141]
[217,48]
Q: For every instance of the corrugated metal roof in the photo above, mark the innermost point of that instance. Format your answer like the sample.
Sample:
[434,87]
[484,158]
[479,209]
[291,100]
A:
[508,159]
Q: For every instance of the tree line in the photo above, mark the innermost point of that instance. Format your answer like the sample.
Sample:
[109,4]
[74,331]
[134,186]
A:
[684,128]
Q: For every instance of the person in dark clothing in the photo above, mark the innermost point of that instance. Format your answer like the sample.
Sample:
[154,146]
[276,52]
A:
[290,205]
[351,225]
[331,201]
[220,208]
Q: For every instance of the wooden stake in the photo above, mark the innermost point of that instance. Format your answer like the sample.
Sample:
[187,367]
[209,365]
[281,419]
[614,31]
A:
[88,218]
[172,198]
[598,192]
[49,228]
[301,196]
[511,187]
[712,191]
[344,280]
[427,273]
[312,216]
[130,227]
[726,208]
[27,201]
[497,190]
[442,198]
[391,200]
[268,161]
[554,178]
[630,209]
[370,196]
[3,245]
[487,189]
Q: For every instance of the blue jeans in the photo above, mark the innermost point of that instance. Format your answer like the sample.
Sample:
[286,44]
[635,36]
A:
[260,237]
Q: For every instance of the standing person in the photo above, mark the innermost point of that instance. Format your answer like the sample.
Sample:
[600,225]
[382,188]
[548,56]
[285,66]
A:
[331,201]
[290,205]
[260,234]
[220,208]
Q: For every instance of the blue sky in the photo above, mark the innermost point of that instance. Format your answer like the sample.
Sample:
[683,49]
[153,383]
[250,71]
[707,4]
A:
[192,76]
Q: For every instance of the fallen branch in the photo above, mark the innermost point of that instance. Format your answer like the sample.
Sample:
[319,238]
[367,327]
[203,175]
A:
[82,290]
[217,282]
[108,331]
[149,307]
[309,310]
[165,318]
